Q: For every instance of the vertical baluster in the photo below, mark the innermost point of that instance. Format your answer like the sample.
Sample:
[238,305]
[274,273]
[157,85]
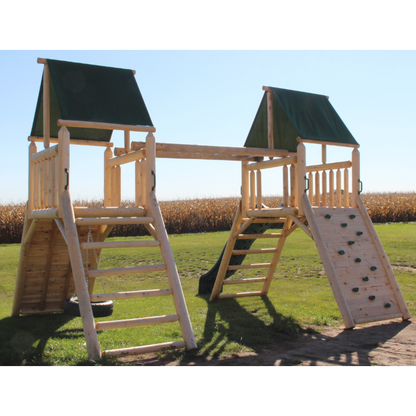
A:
[331,189]
[113,186]
[339,191]
[108,154]
[324,187]
[252,189]
[317,190]
[355,176]
[286,187]
[258,199]
[346,189]
[310,177]
[41,185]
[32,151]
[36,185]
[49,182]
[244,188]
[53,182]
[118,185]
[143,182]
[293,186]
[137,183]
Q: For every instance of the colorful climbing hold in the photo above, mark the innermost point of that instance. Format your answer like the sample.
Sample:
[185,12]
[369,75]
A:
[352,216]
[373,268]
[358,260]
[359,233]
[327,216]
[344,224]
[341,252]
[372,297]
[355,289]
[350,243]
[387,305]
[365,279]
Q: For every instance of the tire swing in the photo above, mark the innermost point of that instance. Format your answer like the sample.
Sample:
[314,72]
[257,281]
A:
[99,309]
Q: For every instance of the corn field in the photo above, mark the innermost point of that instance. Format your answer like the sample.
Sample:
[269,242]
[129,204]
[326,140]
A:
[205,215]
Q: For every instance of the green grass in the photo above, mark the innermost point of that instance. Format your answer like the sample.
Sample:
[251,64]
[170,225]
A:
[300,299]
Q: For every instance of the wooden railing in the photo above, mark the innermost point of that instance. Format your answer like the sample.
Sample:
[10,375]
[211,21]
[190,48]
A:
[252,182]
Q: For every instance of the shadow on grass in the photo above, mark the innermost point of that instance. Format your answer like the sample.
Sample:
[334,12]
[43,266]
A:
[23,338]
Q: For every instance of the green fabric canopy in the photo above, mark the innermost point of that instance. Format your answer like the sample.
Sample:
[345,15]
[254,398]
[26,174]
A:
[85,92]
[297,114]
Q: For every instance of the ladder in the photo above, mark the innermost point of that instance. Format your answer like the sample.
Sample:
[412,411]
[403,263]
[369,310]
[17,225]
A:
[240,224]
[103,217]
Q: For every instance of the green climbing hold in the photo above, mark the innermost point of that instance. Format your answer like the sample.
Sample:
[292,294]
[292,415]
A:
[387,305]
[358,260]
[372,297]
[350,243]
[365,279]
[355,289]
[352,216]
[373,268]
[359,233]
[344,224]
[341,252]
[327,216]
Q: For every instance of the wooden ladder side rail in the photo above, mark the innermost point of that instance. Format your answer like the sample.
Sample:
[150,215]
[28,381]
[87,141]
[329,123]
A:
[227,255]
[301,225]
[384,260]
[90,333]
[327,263]
[172,273]
[29,227]
[276,257]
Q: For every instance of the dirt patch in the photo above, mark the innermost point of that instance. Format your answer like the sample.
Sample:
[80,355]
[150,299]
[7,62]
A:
[391,343]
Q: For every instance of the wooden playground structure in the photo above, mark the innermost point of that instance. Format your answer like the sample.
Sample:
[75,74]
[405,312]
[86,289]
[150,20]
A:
[322,200]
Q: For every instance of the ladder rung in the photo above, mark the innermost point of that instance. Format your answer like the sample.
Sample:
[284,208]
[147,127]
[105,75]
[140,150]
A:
[114,221]
[258,251]
[130,295]
[241,281]
[119,244]
[238,295]
[255,236]
[126,270]
[250,266]
[145,348]
[128,323]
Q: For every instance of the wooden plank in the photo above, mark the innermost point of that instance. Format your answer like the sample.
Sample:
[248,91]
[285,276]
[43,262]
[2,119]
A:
[91,212]
[118,244]
[256,236]
[243,281]
[238,295]
[129,323]
[272,212]
[145,349]
[138,294]
[329,166]
[327,143]
[378,318]
[249,266]
[105,126]
[253,251]
[113,221]
[274,163]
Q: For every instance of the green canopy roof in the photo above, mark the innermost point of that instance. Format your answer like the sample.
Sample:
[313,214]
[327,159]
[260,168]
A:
[94,93]
[297,114]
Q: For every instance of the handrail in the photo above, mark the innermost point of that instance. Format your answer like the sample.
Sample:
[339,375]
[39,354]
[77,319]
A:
[105,126]
[274,163]
[48,153]
[329,166]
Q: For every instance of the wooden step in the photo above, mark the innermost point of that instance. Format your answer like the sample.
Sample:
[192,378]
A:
[255,236]
[130,295]
[145,348]
[242,281]
[258,251]
[113,221]
[238,295]
[128,323]
[250,266]
[118,244]
[125,270]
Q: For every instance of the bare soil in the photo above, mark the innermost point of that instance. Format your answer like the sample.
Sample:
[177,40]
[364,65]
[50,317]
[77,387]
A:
[389,343]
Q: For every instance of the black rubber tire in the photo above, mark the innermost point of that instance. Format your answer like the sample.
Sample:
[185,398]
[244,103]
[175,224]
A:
[99,309]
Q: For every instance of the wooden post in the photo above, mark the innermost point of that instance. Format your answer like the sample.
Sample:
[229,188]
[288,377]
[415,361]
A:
[324,153]
[137,183]
[324,189]
[310,178]
[317,190]
[270,119]
[346,189]
[339,192]
[127,141]
[293,187]
[118,185]
[355,177]
[331,189]
[63,155]
[150,165]
[32,151]
[46,106]
[244,187]
[78,272]
[143,183]
[252,190]
[301,174]
[108,154]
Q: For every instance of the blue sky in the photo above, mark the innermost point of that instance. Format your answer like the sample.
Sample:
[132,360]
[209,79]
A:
[211,97]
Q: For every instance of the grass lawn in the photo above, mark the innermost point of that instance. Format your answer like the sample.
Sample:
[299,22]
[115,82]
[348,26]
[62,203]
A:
[300,299]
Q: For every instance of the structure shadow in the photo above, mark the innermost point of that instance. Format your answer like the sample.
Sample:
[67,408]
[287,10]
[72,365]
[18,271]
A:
[283,342]
[23,339]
